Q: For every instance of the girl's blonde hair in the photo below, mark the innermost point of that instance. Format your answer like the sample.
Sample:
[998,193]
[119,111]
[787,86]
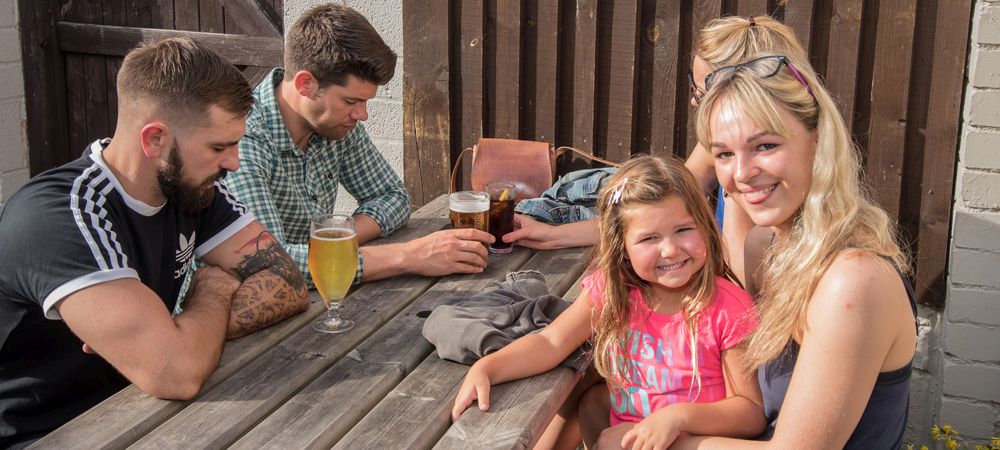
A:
[835,215]
[732,40]
[642,181]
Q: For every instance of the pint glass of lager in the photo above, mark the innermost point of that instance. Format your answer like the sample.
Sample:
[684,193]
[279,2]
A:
[333,261]
[470,209]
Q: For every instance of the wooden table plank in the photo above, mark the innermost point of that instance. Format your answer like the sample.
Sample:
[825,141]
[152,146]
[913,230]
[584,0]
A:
[329,406]
[417,412]
[128,415]
[519,410]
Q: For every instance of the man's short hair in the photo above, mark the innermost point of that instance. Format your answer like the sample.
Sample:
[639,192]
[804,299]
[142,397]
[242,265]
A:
[333,41]
[183,79]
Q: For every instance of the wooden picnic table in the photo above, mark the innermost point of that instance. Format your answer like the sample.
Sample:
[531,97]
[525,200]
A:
[379,385]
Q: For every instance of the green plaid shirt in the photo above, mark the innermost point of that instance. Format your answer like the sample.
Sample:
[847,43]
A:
[284,186]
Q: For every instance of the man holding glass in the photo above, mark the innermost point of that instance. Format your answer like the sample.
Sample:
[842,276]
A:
[305,138]
[95,251]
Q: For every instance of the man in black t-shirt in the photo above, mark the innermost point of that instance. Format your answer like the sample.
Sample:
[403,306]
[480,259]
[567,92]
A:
[95,251]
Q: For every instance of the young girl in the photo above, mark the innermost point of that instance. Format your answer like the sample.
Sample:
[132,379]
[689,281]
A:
[666,323]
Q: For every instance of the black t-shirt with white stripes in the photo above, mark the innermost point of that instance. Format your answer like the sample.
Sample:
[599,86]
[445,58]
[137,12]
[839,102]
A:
[66,229]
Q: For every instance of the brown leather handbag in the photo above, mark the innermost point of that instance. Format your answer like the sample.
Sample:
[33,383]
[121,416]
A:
[530,165]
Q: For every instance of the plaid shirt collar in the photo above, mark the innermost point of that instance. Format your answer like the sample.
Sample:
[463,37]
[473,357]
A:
[267,111]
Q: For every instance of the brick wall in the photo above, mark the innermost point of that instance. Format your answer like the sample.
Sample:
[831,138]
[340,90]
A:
[970,384]
[385,111]
[14,150]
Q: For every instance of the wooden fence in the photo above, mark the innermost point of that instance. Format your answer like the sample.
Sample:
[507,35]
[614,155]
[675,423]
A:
[611,77]
[72,51]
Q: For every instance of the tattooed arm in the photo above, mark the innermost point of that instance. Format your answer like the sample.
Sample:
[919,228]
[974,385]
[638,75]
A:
[272,287]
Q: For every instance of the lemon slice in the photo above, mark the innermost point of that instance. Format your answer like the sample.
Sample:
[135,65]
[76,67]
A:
[503,195]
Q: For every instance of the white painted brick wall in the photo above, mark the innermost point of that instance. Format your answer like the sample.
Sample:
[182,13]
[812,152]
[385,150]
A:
[970,386]
[385,111]
[14,151]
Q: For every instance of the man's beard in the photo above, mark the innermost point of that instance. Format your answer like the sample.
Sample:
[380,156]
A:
[187,198]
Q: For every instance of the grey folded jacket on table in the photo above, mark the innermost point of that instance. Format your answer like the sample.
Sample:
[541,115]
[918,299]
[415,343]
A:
[466,328]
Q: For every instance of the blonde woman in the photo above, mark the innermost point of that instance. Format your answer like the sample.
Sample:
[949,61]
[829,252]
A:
[722,42]
[837,333]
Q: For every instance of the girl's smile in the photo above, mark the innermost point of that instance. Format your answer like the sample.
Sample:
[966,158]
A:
[664,245]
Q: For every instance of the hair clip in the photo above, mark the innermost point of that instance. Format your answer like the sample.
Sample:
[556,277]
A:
[617,194]
[752,23]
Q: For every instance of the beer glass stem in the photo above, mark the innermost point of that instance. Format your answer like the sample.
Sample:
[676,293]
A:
[332,322]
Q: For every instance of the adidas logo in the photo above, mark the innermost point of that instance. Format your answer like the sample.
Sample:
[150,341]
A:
[185,251]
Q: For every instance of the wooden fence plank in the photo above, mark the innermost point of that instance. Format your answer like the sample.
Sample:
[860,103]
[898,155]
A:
[118,17]
[45,90]
[426,128]
[940,147]
[398,422]
[186,14]
[139,413]
[162,14]
[117,41]
[210,17]
[140,13]
[842,60]
[702,12]
[327,408]
[467,117]
[891,82]
[505,95]
[584,63]
[616,93]
[748,8]
[540,103]
[668,80]
[252,17]
[799,16]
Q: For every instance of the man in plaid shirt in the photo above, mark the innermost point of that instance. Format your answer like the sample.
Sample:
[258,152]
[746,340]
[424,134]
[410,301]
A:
[304,138]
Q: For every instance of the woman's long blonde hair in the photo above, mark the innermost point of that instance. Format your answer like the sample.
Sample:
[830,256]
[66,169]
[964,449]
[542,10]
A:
[642,181]
[732,40]
[835,215]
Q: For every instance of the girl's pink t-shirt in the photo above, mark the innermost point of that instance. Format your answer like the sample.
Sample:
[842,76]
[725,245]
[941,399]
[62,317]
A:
[657,345]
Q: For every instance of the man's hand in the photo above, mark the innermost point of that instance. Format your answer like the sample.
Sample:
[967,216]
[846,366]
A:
[448,251]
[214,280]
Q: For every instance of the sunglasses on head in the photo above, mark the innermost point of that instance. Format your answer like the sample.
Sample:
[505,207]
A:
[696,92]
[763,67]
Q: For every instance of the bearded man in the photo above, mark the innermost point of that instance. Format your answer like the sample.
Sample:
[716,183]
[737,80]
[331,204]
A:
[95,251]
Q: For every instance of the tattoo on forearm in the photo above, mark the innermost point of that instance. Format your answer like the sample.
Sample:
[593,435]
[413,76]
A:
[269,255]
[269,296]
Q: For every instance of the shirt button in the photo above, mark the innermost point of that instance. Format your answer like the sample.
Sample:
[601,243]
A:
[315,198]
[329,176]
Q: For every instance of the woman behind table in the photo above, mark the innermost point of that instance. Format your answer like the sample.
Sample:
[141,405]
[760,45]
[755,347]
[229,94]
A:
[667,324]
[721,42]
[837,332]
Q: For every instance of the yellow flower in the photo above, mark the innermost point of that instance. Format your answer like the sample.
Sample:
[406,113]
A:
[924,447]
[952,445]
[935,433]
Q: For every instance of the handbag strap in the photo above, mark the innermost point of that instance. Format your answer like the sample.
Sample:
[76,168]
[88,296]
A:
[564,149]
[559,151]
[458,164]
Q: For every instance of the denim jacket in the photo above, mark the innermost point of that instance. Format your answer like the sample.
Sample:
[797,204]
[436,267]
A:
[572,198]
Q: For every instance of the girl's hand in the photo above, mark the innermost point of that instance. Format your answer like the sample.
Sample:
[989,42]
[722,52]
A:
[475,387]
[657,432]
[530,233]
